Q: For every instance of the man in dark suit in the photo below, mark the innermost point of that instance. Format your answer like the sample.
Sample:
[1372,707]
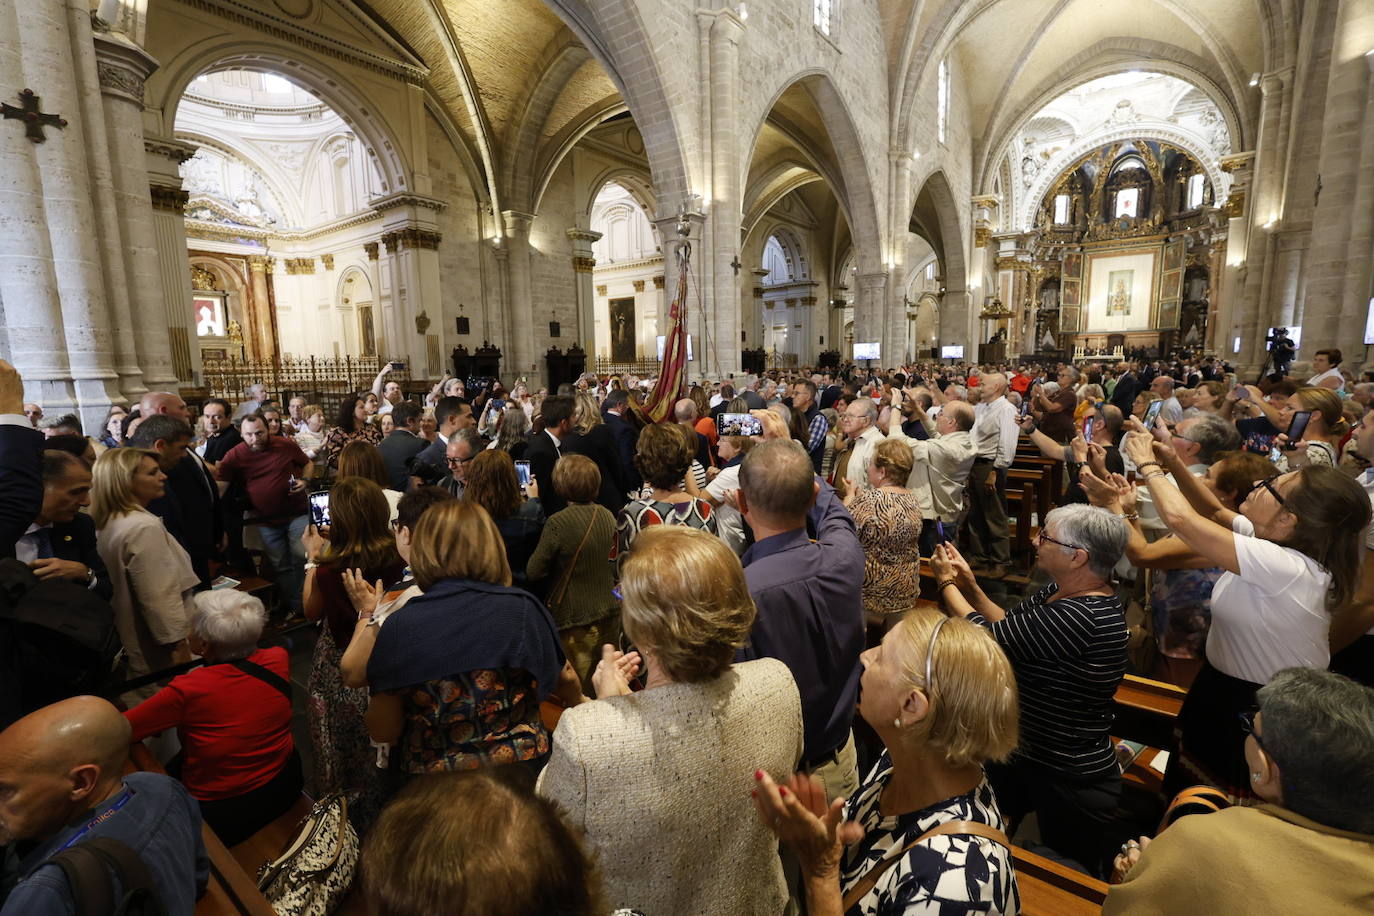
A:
[60,544]
[190,506]
[21,450]
[625,436]
[1127,387]
[546,447]
[403,444]
[450,415]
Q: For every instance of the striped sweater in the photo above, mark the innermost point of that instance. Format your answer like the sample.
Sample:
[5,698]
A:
[1069,656]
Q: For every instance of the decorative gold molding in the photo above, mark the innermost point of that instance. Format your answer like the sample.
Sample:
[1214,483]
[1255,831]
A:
[583,265]
[658,281]
[371,249]
[300,265]
[262,263]
[411,238]
[601,290]
[202,279]
[169,198]
[639,286]
[1235,204]
[981,236]
[1007,262]
[328,261]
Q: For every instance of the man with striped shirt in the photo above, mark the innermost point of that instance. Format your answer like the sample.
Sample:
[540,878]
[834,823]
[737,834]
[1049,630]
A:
[1067,645]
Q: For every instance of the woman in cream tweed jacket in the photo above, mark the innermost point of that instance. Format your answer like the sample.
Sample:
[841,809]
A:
[660,780]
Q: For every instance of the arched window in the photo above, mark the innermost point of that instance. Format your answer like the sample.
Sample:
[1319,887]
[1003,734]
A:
[821,15]
[1061,209]
[942,100]
[775,262]
[1196,184]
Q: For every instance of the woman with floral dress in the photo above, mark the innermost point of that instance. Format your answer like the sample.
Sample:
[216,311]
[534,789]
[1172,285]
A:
[663,456]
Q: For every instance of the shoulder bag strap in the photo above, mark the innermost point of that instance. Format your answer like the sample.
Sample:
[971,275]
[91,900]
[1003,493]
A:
[271,678]
[136,881]
[556,596]
[87,878]
[865,884]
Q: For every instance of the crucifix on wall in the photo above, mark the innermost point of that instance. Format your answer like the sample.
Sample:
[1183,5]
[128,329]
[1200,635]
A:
[34,120]
[736,265]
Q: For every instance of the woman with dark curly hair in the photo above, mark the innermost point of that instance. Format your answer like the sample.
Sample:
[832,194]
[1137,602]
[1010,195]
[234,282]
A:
[353,424]
[663,454]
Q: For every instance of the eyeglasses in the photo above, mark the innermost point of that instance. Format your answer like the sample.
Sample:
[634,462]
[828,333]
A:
[1247,724]
[1043,537]
[1268,484]
[457,462]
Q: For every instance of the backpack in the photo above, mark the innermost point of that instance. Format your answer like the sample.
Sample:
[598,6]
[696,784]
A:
[88,868]
[61,638]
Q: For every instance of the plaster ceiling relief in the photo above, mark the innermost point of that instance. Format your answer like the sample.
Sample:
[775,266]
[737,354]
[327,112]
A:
[1112,107]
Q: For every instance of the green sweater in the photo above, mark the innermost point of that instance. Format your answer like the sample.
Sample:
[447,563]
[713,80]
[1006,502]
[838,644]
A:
[588,598]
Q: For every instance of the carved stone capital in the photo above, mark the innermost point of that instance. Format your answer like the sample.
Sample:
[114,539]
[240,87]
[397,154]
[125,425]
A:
[300,265]
[583,265]
[122,67]
[261,263]
[601,290]
[172,200]
[174,150]
[584,235]
[658,282]
[639,286]
[758,292]
[328,261]
[371,249]
[407,199]
[411,238]
[981,236]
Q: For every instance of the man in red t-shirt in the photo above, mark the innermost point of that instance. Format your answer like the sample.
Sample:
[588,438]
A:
[269,467]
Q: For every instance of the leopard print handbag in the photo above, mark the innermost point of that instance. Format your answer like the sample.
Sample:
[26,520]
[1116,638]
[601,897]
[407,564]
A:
[315,871]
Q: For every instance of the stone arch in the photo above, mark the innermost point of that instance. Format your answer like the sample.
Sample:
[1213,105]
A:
[1106,59]
[849,176]
[168,85]
[935,217]
[1024,216]
[630,48]
[793,251]
[638,182]
[350,301]
[559,61]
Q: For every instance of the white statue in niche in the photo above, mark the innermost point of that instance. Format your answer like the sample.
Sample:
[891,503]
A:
[1029,169]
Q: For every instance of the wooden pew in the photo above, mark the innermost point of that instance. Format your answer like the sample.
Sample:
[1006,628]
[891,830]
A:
[1146,711]
[1024,501]
[1050,889]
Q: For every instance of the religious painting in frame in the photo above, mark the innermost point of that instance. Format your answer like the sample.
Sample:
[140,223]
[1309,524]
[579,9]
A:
[1073,265]
[1119,285]
[1119,289]
[1069,294]
[1173,258]
[622,314]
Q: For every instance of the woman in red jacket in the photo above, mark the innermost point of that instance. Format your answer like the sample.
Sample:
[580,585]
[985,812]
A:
[233,716]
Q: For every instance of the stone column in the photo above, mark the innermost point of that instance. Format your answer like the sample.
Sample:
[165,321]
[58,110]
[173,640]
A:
[717,340]
[521,356]
[164,157]
[583,264]
[1265,210]
[165,337]
[670,240]
[411,235]
[50,47]
[868,310]
[258,332]
[380,320]
[1338,280]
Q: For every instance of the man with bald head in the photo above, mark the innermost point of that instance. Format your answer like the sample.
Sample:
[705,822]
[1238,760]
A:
[155,402]
[808,595]
[62,785]
[995,434]
[941,463]
[686,414]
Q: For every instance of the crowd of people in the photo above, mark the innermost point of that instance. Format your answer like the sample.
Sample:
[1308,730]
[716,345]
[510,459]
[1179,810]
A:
[571,660]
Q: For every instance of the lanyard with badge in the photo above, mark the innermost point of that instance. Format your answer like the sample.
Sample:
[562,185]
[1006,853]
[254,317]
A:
[99,819]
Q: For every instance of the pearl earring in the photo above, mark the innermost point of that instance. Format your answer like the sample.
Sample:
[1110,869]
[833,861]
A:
[897,722]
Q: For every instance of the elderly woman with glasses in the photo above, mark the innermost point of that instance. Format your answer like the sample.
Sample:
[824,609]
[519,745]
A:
[1290,556]
[923,832]
[1067,643]
[1306,848]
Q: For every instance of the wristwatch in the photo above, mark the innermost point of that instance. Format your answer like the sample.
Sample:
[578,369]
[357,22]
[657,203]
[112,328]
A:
[310,564]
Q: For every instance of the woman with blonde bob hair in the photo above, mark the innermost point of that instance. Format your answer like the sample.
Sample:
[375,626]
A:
[924,828]
[151,573]
[1326,427]
[457,679]
[673,753]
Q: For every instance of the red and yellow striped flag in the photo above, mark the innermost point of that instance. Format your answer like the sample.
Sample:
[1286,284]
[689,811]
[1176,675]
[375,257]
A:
[672,375]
